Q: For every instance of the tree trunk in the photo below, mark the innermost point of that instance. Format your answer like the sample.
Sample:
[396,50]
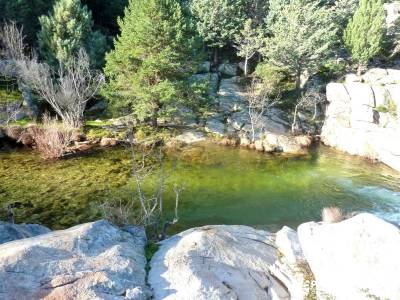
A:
[246,61]
[154,118]
[298,82]
[215,59]
[295,119]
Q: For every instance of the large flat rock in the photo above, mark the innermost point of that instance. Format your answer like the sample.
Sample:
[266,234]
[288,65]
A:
[90,261]
[219,262]
[355,259]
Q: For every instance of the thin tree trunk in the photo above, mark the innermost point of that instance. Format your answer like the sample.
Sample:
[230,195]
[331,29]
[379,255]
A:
[215,59]
[294,118]
[154,118]
[246,61]
[298,82]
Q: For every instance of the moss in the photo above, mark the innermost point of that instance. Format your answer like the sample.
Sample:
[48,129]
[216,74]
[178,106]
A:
[150,250]
[389,107]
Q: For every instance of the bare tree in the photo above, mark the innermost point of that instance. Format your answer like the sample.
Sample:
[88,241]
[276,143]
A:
[12,40]
[309,101]
[67,89]
[260,99]
[146,206]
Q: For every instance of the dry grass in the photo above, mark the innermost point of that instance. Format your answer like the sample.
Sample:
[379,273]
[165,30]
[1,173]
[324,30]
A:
[53,138]
[331,215]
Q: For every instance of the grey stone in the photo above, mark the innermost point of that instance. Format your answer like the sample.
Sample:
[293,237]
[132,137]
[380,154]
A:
[354,123]
[354,259]
[10,232]
[220,262]
[204,67]
[191,137]
[231,98]
[90,261]
[99,107]
[215,126]
[228,69]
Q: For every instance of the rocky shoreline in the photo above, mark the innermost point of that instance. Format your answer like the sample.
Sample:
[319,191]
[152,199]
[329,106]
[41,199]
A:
[353,259]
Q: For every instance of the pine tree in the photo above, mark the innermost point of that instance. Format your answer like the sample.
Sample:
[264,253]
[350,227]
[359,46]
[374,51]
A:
[219,21]
[248,42]
[364,35]
[152,56]
[67,30]
[302,36]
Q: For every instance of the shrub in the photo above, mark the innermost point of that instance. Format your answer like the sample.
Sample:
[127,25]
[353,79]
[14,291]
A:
[53,138]
[331,215]
[274,78]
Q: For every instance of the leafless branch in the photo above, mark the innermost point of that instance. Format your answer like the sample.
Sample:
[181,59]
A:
[309,101]
[260,99]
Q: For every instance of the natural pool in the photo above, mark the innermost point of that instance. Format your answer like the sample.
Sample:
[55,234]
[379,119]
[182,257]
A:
[223,185]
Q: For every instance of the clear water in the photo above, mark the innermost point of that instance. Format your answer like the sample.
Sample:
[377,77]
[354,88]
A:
[223,186]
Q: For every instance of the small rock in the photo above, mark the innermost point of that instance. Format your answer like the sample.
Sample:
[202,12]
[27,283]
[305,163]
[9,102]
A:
[108,142]
[228,69]
[204,67]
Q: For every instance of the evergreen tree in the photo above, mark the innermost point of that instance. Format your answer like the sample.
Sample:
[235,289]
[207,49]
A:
[219,21]
[248,42]
[364,35]
[67,30]
[302,36]
[151,60]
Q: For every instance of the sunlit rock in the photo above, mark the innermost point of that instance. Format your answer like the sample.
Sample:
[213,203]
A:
[220,262]
[355,259]
[364,118]
[89,261]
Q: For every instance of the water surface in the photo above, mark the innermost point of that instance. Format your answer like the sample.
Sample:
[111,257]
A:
[222,186]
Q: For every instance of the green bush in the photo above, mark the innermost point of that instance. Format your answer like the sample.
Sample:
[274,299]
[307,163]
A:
[275,78]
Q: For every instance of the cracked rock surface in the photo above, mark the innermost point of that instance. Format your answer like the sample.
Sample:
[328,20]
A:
[90,261]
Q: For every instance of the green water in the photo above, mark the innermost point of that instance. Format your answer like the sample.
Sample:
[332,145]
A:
[223,186]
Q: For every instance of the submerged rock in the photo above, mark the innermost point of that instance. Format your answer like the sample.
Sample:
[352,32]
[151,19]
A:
[90,261]
[355,259]
[190,137]
[220,262]
[10,232]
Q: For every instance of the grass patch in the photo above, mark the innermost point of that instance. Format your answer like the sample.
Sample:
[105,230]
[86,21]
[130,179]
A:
[97,123]
[9,96]
[22,122]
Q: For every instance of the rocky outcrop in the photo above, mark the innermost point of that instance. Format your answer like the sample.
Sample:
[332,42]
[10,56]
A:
[222,262]
[355,259]
[90,261]
[232,123]
[10,232]
[362,117]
